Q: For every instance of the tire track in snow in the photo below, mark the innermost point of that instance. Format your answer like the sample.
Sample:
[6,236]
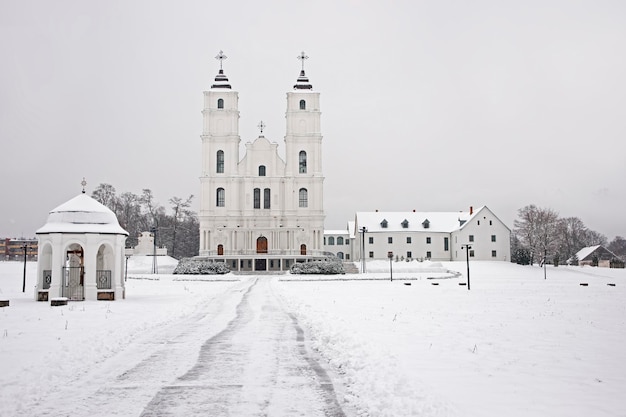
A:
[258,366]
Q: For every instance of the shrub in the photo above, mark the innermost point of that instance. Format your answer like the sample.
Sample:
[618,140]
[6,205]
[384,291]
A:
[616,263]
[191,266]
[326,267]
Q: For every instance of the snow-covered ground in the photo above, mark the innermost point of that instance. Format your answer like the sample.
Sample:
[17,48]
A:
[515,345]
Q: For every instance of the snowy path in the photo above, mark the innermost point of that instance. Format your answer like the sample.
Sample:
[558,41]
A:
[257,365]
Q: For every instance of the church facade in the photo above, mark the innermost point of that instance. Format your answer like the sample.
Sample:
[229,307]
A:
[259,212]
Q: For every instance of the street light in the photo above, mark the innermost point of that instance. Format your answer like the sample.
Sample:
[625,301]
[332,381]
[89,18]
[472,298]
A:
[25,247]
[126,270]
[467,248]
[363,230]
[390,256]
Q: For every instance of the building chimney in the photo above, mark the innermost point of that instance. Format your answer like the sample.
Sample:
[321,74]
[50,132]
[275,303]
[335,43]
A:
[471,210]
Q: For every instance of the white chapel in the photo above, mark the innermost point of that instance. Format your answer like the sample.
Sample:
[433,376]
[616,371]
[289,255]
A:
[259,212]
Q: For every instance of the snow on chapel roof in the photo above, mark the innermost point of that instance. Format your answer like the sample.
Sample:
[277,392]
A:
[82,214]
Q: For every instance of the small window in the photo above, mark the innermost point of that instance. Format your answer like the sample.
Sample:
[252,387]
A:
[493,238]
[494,254]
[331,241]
[490,223]
[371,254]
[471,253]
[478,222]
[347,241]
[340,240]
[384,224]
[266,198]
[220,103]
[302,105]
[446,244]
[324,240]
[389,239]
[302,163]
[428,255]
[221,197]
[409,254]
[371,240]
[303,197]
[471,238]
[257,198]
[220,162]
[261,170]
[408,239]
[428,240]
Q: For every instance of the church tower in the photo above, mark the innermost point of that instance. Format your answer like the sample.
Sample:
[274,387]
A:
[220,152]
[303,141]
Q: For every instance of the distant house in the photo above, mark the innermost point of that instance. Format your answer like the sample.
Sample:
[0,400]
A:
[587,255]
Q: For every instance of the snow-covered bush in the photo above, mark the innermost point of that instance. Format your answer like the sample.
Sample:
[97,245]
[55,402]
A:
[191,266]
[325,267]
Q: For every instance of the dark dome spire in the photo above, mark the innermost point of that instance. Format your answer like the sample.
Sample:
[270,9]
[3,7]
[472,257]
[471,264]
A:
[303,81]
[221,80]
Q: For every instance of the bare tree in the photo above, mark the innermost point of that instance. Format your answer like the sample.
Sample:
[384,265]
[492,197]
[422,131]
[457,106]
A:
[180,209]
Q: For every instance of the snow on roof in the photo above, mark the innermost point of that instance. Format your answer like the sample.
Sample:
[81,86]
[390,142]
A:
[336,232]
[437,221]
[584,252]
[82,214]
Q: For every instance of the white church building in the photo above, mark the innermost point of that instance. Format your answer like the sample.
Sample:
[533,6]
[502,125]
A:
[259,212]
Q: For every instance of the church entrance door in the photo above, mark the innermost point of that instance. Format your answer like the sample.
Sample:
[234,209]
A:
[302,249]
[220,250]
[261,245]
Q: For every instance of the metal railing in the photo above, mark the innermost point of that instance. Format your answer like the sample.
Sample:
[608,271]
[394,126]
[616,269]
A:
[103,279]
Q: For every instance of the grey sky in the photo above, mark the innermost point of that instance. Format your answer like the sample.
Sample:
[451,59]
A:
[426,105]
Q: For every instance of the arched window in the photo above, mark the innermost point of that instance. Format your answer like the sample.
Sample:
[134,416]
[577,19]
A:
[261,170]
[302,105]
[257,198]
[220,162]
[266,198]
[331,240]
[302,162]
[340,240]
[220,103]
[303,197]
[220,197]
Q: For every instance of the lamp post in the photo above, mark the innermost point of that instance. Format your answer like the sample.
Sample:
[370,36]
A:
[126,269]
[153,230]
[545,258]
[390,256]
[467,248]
[363,230]
[25,247]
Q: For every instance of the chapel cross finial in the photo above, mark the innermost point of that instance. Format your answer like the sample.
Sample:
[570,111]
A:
[302,57]
[261,126]
[84,184]
[221,57]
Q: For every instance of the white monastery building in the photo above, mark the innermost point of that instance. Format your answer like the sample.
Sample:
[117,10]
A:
[258,211]
[437,236]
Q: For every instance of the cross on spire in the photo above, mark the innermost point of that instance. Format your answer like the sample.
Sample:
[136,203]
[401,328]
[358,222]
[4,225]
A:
[84,184]
[221,57]
[302,57]
[261,126]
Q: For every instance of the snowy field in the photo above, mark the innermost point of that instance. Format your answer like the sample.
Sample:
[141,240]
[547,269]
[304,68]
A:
[515,345]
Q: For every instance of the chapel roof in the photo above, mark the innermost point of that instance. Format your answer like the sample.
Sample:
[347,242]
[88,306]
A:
[82,214]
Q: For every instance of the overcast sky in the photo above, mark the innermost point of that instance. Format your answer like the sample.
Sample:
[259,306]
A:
[426,105]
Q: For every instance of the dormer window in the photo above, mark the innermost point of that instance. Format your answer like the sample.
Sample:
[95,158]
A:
[426,224]
[405,224]
[220,103]
[302,105]
[384,224]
